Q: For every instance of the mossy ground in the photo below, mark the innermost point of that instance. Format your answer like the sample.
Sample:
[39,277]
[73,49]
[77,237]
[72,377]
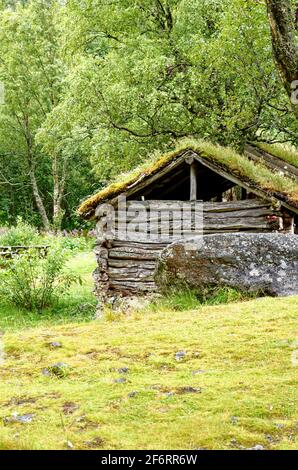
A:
[238,357]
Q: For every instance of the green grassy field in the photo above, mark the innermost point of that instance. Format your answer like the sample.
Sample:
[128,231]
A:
[233,389]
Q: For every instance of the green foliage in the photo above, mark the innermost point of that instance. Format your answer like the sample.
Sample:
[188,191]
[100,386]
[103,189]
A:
[93,87]
[226,295]
[32,70]
[32,282]
[143,74]
[75,244]
[22,234]
[76,305]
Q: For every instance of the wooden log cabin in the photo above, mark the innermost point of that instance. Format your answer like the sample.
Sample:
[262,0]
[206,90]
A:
[239,194]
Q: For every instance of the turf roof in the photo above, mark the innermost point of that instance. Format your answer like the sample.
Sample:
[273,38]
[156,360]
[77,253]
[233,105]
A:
[254,174]
[285,152]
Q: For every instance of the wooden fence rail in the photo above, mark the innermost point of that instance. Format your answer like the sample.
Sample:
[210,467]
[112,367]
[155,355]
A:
[8,252]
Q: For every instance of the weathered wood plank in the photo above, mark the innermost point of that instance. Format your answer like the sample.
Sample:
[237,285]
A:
[135,244]
[160,225]
[134,264]
[193,182]
[132,254]
[122,275]
[208,206]
[133,286]
[177,216]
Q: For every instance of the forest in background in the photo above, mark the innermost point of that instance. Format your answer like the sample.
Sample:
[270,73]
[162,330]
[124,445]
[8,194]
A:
[91,88]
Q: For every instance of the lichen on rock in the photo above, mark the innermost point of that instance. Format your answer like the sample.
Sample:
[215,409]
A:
[256,263]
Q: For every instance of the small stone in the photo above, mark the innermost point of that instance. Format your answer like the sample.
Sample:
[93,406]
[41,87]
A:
[69,445]
[169,394]
[123,370]
[234,420]
[180,355]
[55,345]
[257,447]
[198,372]
[23,419]
[121,380]
[132,394]
[279,426]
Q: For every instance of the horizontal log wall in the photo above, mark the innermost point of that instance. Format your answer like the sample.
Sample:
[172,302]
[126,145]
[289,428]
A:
[131,266]
[128,266]
[162,220]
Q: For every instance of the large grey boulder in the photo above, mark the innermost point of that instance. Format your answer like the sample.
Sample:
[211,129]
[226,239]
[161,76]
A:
[255,262]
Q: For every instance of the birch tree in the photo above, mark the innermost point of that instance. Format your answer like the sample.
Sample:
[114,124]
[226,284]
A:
[32,71]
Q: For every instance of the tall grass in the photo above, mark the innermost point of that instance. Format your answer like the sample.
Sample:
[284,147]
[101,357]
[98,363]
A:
[285,152]
[184,299]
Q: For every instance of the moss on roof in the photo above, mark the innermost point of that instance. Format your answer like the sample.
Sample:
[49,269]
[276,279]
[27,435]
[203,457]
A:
[256,174]
[285,152]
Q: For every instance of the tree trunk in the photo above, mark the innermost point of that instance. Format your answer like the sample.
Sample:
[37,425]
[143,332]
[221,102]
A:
[58,192]
[282,25]
[56,198]
[34,185]
[25,125]
[38,200]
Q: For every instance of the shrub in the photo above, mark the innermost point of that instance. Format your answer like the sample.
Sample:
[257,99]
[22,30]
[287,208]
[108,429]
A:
[75,244]
[33,282]
[20,234]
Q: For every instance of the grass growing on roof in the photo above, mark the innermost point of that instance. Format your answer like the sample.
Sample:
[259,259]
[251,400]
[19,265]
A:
[256,174]
[285,152]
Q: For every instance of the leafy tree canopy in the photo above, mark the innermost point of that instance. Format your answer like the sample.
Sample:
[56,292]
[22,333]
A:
[105,83]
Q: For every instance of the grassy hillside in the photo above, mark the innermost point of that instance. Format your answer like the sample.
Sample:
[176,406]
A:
[234,388]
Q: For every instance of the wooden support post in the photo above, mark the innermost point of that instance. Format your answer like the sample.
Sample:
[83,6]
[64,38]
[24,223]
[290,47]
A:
[193,178]
[243,194]
[193,182]
[288,223]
